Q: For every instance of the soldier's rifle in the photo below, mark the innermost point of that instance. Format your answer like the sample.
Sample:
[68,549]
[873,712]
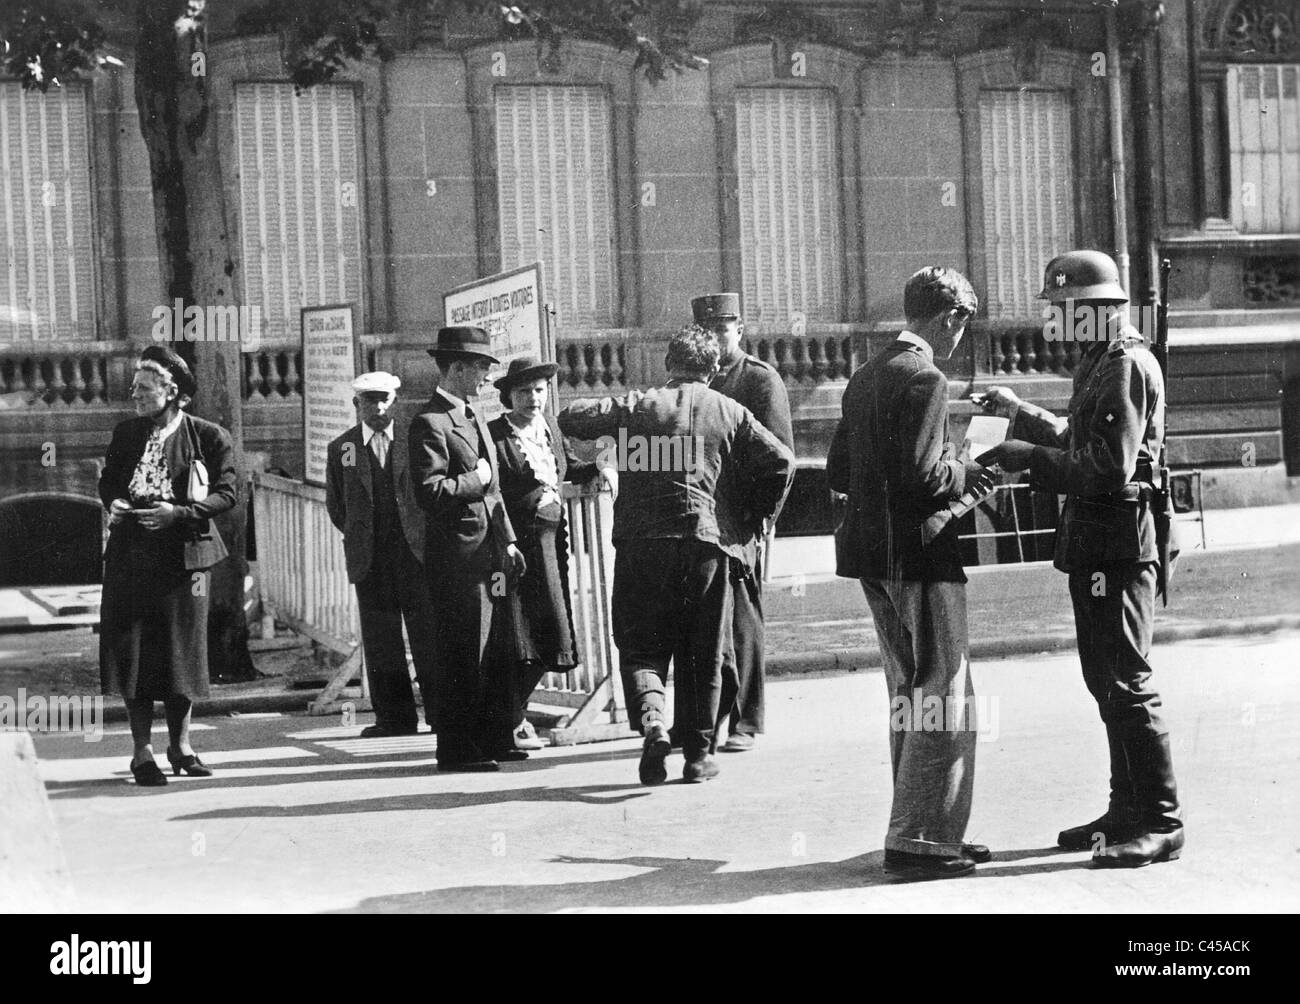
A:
[1161,507]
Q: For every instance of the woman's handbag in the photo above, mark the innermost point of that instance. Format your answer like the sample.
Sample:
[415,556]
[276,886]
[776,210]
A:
[204,547]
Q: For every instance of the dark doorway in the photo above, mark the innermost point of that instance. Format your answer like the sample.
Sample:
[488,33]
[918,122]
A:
[50,542]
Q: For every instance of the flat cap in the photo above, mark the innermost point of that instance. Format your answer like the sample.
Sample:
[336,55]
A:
[384,383]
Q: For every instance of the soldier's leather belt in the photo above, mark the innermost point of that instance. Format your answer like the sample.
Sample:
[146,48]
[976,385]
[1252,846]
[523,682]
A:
[1132,492]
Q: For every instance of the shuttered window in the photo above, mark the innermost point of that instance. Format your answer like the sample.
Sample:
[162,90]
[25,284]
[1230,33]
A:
[1264,148]
[1028,156]
[788,162]
[300,200]
[48,290]
[555,194]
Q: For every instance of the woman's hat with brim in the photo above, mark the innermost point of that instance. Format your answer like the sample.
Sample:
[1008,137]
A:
[165,358]
[525,370]
[464,341]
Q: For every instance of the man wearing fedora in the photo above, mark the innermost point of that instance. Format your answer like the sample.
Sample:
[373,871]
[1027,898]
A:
[370,499]
[468,537]
[759,387]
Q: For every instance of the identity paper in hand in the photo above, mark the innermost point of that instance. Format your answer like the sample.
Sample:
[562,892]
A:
[985,432]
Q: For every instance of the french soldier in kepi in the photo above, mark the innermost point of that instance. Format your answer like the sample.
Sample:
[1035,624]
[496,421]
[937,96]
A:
[760,388]
[1103,459]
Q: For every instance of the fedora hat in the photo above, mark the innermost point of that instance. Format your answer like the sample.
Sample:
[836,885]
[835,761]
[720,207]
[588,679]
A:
[525,370]
[464,341]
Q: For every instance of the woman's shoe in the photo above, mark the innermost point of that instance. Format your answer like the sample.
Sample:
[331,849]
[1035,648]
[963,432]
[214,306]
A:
[147,775]
[192,765]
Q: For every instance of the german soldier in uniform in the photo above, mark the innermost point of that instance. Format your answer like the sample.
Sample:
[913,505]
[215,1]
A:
[758,386]
[699,477]
[1101,458]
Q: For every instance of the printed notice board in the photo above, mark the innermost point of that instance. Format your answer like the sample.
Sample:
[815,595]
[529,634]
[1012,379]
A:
[329,365]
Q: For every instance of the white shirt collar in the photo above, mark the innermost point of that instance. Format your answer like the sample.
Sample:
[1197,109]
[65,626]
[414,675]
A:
[914,339]
[368,433]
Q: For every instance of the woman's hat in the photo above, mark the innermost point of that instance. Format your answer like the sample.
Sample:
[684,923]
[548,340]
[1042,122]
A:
[165,358]
[464,341]
[525,370]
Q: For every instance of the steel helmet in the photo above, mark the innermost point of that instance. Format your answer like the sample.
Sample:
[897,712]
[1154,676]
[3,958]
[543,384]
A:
[1082,275]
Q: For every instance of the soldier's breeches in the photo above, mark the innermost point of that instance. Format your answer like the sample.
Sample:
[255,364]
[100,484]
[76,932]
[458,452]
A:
[1114,612]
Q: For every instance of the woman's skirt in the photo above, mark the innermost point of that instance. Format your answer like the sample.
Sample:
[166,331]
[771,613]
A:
[153,625]
[540,613]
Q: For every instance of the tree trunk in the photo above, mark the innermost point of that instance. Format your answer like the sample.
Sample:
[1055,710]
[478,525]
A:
[194,251]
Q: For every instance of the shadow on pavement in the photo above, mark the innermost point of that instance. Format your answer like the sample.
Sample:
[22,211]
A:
[396,765]
[670,882]
[592,794]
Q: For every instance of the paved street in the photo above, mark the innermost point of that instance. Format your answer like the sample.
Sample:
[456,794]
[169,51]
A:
[302,816]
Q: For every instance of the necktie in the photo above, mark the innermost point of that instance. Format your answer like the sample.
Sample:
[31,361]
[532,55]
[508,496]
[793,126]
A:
[380,442]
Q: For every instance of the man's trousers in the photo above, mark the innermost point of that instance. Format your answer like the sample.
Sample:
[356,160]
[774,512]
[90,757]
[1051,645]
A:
[395,590]
[746,711]
[672,601]
[923,642]
[472,687]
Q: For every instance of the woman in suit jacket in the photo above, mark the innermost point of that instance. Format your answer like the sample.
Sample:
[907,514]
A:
[534,459]
[153,641]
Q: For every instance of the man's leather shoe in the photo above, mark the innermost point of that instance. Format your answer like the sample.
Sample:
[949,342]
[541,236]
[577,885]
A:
[738,742]
[977,853]
[378,731]
[510,755]
[700,769]
[654,752]
[1105,829]
[468,766]
[1142,850]
[909,867]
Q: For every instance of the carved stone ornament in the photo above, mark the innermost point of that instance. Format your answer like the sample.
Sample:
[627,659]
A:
[1260,28]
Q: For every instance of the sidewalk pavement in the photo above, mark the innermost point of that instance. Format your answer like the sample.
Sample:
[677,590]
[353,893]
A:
[302,815]
[1244,583]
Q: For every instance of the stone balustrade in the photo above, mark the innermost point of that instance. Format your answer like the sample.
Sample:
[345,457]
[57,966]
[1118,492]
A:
[64,375]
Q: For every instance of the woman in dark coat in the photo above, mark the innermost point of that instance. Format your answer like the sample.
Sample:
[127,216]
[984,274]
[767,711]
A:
[153,640]
[534,460]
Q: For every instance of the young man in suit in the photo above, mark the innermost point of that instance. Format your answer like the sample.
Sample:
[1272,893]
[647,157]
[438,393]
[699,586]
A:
[370,499]
[892,457]
[699,477]
[759,387]
[468,538]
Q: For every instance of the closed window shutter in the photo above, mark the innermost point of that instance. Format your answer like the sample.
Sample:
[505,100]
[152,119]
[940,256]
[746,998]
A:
[555,195]
[48,291]
[300,200]
[787,159]
[1028,157]
[1264,148]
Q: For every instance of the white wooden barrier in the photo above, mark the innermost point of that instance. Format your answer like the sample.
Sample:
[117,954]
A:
[305,584]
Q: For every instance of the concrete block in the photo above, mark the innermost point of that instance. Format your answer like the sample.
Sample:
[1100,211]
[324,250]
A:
[34,876]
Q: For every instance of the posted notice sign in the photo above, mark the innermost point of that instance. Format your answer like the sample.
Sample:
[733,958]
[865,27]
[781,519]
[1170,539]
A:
[329,365]
[509,307]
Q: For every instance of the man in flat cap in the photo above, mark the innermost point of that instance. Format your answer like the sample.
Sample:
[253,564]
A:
[759,387]
[468,537]
[370,498]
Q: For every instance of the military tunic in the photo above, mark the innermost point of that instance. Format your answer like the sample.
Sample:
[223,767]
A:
[759,387]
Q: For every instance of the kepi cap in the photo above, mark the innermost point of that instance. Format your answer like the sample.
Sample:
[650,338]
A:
[716,307]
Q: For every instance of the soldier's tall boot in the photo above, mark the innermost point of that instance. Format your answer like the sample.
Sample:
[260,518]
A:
[1119,823]
[1160,836]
